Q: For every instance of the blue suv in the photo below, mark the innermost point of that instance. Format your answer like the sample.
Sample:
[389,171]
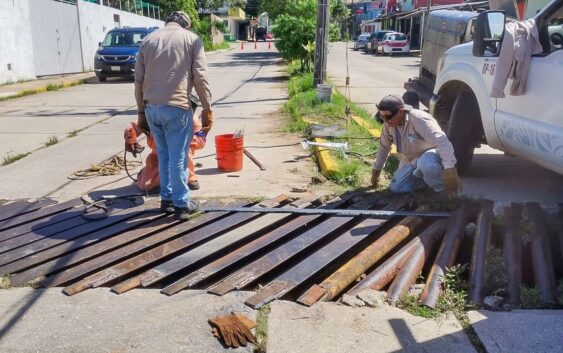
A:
[117,53]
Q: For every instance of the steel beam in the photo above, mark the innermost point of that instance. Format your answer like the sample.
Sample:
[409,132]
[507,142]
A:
[542,263]
[214,246]
[251,249]
[411,268]
[162,252]
[27,222]
[359,264]
[24,208]
[36,242]
[275,258]
[446,256]
[479,253]
[315,262]
[512,250]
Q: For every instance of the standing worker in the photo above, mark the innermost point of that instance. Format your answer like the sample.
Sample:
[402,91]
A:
[171,61]
[426,155]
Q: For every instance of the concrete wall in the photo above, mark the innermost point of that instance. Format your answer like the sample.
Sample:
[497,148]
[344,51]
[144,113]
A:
[16,35]
[97,20]
[16,45]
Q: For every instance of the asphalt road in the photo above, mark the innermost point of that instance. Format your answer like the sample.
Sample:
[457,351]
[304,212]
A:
[248,89]
[494,175]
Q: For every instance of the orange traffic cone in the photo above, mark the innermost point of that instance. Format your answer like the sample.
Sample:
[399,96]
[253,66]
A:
[255,45]
[269,45]
[241,45]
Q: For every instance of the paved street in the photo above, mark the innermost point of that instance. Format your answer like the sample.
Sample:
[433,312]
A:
[493,175]
[248,90]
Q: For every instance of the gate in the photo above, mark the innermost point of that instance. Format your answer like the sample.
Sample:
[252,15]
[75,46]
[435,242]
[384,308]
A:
[56,37]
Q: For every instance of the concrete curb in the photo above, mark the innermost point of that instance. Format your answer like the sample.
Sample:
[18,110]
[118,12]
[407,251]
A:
[43,88]
[327,162]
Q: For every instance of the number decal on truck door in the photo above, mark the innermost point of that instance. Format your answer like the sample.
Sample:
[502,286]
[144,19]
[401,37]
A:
[488,69]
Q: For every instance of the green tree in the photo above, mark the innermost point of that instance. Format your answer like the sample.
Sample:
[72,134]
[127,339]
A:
[295,29]
[254,7]
[188,6]
[214,5]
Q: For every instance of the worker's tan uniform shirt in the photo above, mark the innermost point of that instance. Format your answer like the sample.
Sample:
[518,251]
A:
[171,62]
[418,134]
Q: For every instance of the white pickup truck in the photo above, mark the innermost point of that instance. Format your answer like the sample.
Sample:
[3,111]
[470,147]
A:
[529,126]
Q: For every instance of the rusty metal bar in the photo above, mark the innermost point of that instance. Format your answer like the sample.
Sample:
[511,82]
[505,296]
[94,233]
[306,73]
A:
[37,241]
[24,223]
[92,261]
[279,256]
[28,207]
[110,248]
[544,275]
[368,257]
[251,249]
[210,248]
[314,263]
[253,159]
[165,250]
[64,248]
[411,268]
[512,249]
[479,253]
[446,256]
[384,274]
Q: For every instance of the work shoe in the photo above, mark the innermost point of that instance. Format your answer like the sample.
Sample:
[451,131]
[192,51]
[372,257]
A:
[194,185]
[183,213]
[166,207]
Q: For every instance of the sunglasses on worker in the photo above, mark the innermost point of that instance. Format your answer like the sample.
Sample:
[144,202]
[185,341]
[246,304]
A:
[388,117]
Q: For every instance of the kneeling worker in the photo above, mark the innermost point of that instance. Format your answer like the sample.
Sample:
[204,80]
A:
[426,155]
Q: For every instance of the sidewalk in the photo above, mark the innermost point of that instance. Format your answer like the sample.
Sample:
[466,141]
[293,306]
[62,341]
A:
[146,321]
[40,85]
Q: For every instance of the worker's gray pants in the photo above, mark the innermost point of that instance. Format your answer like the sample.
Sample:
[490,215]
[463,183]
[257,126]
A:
[426,172]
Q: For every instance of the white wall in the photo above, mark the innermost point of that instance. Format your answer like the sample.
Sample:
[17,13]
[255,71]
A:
[16,38]
[97,20]
[16,46]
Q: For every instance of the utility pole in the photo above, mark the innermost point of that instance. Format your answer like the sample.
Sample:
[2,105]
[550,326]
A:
[321,41]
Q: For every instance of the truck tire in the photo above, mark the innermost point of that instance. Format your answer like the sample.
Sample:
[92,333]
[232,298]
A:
[102,78]
[464,129]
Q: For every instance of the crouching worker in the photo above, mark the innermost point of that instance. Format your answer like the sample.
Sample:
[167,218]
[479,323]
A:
[425,154]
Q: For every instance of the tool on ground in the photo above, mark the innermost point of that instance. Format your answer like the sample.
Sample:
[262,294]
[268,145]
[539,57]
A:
[233,329]
[253,159]
[344,212]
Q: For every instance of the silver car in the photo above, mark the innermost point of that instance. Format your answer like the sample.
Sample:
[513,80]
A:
[361,41]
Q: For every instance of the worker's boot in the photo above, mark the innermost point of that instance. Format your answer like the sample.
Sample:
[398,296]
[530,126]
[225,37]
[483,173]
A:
[166,207]
[183,213]
[193,185]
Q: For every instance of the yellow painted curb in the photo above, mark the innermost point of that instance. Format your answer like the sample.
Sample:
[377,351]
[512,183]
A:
[327,162]
[375,132]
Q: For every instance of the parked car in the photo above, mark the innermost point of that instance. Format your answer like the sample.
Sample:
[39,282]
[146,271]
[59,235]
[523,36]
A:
[361,41]
[269,36]
[261,33]
[374,40]
[393,43]
[117,53]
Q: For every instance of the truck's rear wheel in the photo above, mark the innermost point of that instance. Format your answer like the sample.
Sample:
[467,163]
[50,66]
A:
[464,129]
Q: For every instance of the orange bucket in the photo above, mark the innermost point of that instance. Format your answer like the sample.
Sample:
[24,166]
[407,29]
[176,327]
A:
[229,152]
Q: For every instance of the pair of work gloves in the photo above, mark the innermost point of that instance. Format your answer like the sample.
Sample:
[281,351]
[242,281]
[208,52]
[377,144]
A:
[134,148]
[452,183]
[233,329]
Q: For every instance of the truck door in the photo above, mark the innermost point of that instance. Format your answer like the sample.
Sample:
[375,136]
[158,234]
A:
[531,125]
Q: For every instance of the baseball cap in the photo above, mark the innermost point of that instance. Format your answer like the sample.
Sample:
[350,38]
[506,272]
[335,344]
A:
[391,103]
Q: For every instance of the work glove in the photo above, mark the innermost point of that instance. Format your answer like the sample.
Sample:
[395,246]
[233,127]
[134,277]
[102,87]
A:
[206,120]
[375,177]
[142,123]
[452,183]
[232,330]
